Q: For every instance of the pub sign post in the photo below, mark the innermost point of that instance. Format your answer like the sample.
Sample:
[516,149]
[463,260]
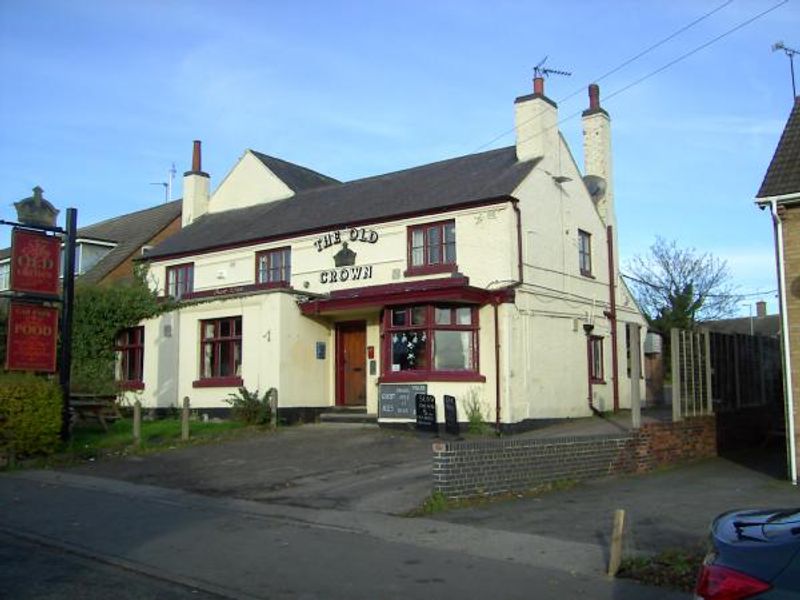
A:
[34,274]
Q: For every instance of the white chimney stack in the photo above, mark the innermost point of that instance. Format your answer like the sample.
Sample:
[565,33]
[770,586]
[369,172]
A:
[536,123]
[195,189]
[597,153]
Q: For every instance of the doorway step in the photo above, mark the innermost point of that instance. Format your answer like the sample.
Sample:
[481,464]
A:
[348,414]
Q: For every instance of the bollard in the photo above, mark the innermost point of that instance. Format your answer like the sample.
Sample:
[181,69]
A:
[185,420]
[137,423]
[273,408]
[616,542]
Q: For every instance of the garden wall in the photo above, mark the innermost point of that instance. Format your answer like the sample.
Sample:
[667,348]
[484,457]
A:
[464,469]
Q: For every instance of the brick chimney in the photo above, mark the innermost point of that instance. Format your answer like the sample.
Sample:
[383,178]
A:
[196,184]
[536,124]
[597,152]
[761,308]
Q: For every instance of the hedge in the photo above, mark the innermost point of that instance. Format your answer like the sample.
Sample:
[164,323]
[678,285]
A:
[30,413]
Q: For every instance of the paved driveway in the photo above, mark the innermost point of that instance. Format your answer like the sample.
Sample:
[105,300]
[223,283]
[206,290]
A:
[352,467]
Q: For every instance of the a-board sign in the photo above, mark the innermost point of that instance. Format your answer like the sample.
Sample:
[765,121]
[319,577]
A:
[450,416]
[426,413]
[397,400]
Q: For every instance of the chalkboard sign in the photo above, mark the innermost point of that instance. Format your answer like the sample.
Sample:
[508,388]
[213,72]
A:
[450,416]
[397,400]
[426,413]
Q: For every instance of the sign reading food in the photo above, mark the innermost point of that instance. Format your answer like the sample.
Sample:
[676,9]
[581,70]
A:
[32,331]
[35,262]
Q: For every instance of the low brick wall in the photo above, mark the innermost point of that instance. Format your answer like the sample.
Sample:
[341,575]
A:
[495,466]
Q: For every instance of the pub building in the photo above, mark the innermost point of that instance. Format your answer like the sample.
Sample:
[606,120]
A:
[485,277]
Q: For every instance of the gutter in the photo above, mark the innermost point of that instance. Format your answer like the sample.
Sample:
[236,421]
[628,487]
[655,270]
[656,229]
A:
[777,225]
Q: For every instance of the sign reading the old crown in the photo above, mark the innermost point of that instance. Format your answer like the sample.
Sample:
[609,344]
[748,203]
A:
[35,262]
[345,258]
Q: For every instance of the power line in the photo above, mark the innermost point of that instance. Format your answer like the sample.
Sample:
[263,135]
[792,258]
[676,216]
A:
[660,69]
[666,289]
[620,66]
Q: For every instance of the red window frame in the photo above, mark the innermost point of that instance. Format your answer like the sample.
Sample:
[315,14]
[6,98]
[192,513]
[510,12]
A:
[585,252]
[274,267]
[421,319]
[430,248]
[221,373]
[129,347]
[594,352]
[180,280]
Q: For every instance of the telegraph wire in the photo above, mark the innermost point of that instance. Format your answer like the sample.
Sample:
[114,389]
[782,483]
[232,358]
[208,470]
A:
[620,66]
[665,289]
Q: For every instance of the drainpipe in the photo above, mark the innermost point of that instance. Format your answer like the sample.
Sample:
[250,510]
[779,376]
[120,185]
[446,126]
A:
[777,225]
[612,316]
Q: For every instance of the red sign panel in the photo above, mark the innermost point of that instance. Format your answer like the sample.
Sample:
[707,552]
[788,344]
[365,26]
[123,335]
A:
[32,332]
[35,262]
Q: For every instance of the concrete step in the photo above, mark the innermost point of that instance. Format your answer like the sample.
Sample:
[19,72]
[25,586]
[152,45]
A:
[342,414]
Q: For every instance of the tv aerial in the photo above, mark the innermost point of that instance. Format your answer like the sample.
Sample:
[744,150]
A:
[541,71]
[791,53]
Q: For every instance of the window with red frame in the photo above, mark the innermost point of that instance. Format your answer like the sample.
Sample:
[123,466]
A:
[129,348]
[221,348]
[432,247]
[274,266]
[596,359]
[585,252]
[180,280]
[426,340]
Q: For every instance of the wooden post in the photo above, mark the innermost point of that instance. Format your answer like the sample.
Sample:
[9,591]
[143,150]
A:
[137,423]
[675,353]
[273,408]
[709,375]
[636,370]
[185,420]
[616,542]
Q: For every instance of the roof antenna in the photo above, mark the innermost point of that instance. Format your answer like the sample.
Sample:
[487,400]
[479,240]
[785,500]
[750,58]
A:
[790,52]
[167,184]
[540,71]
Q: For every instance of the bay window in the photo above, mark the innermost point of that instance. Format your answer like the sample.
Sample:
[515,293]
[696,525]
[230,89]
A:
[430,342]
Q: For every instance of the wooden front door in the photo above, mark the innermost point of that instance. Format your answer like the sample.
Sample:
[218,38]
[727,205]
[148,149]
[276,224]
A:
[351,361]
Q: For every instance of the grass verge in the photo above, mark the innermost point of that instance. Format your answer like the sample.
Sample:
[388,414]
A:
[438,502]
[675,568]
[91,442]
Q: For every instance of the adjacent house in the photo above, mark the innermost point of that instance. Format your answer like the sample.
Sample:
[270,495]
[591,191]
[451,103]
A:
[780,193]
[492,278]
[105,252]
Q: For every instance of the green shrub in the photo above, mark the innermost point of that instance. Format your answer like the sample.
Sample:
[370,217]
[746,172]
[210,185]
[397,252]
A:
[249,408]
[30,413]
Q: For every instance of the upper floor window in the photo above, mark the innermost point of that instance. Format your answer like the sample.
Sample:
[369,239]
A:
[5,274]
[431,341]
[585,252]
[432,248]
[180,280]
[129,348]
[596,359]
[274,266]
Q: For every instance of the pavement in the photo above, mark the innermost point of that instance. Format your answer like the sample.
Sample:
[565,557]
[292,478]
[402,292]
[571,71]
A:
[313,512]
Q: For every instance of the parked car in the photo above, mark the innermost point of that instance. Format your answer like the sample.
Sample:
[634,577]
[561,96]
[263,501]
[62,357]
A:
[753,554]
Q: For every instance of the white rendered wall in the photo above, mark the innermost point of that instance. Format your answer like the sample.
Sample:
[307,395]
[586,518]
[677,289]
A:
[248,183]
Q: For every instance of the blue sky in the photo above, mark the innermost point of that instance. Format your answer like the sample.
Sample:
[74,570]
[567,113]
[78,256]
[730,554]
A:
[101,97]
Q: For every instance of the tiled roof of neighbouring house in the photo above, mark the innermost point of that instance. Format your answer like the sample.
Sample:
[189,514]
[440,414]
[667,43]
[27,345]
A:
[783,174]
[130,232]
[430,187]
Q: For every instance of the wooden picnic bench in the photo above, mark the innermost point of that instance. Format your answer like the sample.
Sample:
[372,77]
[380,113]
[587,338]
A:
[101,408]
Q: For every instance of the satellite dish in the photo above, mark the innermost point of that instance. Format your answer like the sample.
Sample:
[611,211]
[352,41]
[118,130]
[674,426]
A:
[596,186]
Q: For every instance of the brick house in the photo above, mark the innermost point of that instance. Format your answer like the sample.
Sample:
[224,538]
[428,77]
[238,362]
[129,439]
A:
[105,251]
[780,193]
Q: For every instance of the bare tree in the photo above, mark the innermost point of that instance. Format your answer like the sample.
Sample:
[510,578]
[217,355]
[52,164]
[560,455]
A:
[678,287]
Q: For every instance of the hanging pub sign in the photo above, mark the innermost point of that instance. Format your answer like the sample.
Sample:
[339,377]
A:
[31,342]
[35,262]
